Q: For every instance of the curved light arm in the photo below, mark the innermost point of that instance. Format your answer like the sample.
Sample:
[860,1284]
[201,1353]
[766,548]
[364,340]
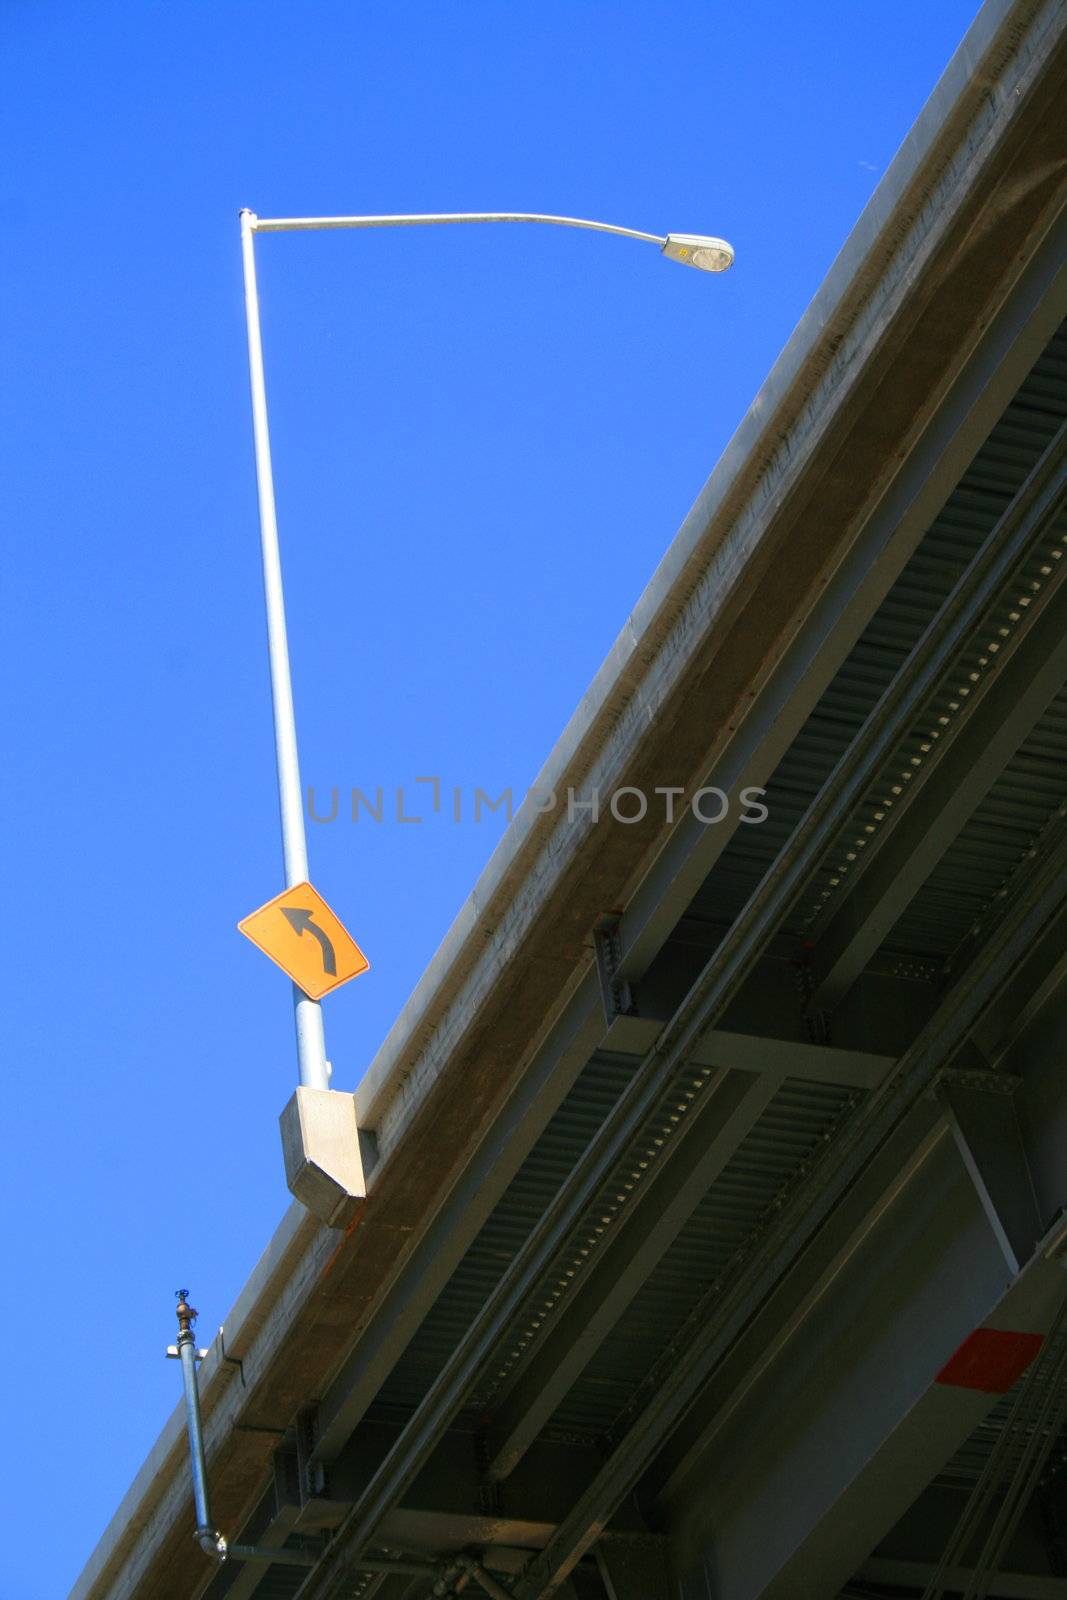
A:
[695,250]
[295,224]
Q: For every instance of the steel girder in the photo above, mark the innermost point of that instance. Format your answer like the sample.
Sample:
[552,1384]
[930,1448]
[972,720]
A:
[863,1135]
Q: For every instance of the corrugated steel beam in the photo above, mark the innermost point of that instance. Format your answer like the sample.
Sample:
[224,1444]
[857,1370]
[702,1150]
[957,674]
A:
[786,1314]
[660,1209]
[503,1149]
[962,762]
[495,1161]
[1031,922]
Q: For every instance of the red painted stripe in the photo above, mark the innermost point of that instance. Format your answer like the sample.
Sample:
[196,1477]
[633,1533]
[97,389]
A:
[991,1359]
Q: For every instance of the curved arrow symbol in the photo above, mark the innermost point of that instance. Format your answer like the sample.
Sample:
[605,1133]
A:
[300,922]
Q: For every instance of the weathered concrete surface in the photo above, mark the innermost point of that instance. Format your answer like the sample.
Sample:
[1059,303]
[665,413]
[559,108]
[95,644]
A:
[973,191]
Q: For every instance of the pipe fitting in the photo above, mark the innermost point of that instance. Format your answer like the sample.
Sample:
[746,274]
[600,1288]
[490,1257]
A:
[186,1315]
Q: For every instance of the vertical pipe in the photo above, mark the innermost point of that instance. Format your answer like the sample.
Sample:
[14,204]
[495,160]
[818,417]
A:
[310,1039]
[207,1535]
[206,1532]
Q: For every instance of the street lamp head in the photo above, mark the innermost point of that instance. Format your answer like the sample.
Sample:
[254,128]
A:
[696,250]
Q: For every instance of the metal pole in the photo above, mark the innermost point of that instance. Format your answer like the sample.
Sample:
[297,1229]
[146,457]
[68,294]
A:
[207,1535]
[310,1039]
[206,1532]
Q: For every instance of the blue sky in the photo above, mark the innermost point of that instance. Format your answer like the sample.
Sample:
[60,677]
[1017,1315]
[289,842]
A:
[484,441]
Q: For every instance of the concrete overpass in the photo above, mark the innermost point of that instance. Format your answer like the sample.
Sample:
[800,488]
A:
[713,1243]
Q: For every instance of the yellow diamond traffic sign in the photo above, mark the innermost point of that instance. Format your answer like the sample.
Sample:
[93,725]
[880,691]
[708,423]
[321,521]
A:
[298,930]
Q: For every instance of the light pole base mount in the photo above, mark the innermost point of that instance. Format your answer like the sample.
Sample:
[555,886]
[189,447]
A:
[323,1161]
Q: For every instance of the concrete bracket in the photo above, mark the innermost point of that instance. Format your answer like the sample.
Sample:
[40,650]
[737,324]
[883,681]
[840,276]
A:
[227,1358]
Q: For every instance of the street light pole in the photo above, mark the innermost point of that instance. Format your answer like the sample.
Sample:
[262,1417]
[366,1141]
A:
[694,250]
[310,1039]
